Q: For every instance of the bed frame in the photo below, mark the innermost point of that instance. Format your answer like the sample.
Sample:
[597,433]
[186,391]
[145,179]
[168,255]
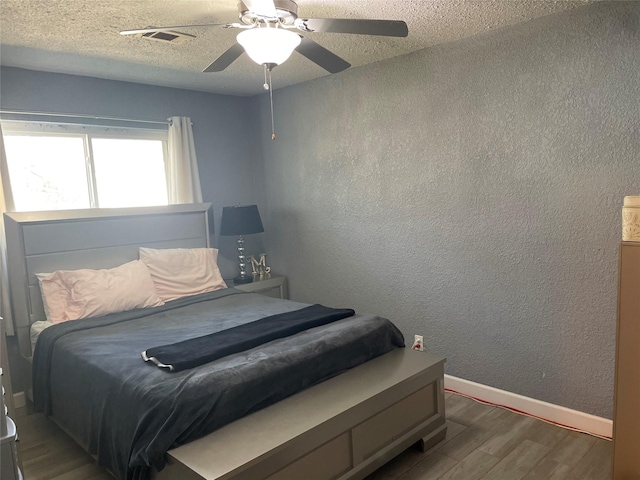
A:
[343,428]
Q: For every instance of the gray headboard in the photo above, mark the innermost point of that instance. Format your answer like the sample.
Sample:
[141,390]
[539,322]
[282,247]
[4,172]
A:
[40,242]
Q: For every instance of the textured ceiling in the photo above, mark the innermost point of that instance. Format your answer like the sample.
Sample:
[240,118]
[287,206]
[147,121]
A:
[81,36]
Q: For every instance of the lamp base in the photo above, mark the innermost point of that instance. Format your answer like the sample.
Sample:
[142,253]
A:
[242,280]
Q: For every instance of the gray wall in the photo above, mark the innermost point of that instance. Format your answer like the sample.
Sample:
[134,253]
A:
[471,193]
[220,124]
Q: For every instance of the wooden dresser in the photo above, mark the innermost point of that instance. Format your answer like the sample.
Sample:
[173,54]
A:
[10,466]
[626,414]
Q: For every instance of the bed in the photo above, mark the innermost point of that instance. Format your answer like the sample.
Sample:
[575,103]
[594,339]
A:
[359,405]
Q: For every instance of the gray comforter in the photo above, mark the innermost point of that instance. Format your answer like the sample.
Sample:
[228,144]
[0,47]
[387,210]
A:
[90,377]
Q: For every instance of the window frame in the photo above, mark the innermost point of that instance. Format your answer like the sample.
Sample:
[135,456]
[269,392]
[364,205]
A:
[88,132]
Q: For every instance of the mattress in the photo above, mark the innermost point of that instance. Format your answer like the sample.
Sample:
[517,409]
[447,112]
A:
[89,374]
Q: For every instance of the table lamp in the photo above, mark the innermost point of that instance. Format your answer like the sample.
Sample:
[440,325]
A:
[241,221]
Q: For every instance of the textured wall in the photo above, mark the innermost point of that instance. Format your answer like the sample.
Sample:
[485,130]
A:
[220,124]
[471,193]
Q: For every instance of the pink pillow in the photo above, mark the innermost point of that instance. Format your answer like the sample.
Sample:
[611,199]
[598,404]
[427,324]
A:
[181,272]
[76,294]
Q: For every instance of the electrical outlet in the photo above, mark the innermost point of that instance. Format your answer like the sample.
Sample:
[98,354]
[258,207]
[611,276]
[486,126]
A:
[418,343]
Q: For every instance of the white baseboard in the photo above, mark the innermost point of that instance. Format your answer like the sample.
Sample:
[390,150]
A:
[19,400]
[565,416]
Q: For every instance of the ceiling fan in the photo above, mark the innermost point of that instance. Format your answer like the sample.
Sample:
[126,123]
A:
[269,38]
[268,34]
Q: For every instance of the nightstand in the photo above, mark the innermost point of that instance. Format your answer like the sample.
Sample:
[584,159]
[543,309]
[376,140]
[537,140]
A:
[275,286]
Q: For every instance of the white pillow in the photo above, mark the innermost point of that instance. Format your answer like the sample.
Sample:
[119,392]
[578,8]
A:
[181,272]
[40,277]
[76,294]
[36,329]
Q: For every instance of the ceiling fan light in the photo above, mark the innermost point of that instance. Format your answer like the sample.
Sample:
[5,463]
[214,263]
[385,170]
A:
[268,45]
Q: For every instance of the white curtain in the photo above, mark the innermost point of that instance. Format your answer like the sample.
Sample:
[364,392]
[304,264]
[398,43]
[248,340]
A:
[182,170]
[6,205]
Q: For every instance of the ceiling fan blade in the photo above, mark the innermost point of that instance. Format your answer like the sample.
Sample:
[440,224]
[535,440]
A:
[177,27]
[263,8]
[323,57]
[387,28]
[226,59]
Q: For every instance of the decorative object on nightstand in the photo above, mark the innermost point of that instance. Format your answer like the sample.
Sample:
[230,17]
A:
[259,268]
[244,220]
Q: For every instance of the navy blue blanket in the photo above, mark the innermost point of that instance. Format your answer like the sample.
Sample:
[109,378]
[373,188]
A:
[200,350]
[89,377]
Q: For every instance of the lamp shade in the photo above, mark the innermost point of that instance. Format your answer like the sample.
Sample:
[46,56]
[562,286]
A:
[268,45]
[241,220]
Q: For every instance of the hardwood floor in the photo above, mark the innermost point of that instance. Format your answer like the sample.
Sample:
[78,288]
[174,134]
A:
[48,453]
[490,443]
[483,443]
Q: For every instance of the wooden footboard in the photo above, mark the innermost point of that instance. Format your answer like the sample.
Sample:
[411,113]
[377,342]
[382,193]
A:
[344,428]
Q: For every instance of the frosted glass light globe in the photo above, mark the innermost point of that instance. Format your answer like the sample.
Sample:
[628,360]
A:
[268,45]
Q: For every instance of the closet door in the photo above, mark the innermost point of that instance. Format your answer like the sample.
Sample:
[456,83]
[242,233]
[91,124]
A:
[626,415]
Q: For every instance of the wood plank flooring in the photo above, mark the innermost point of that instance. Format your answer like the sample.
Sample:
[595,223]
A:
[490,443]
[483,443]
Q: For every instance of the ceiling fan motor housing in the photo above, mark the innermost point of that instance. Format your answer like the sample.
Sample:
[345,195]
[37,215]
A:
[286,13]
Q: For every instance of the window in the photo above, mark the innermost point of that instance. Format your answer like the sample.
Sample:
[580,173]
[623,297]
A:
[53,167]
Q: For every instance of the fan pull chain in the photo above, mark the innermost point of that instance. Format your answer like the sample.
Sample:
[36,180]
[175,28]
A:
[268,85]
[265,85]
[273,128]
